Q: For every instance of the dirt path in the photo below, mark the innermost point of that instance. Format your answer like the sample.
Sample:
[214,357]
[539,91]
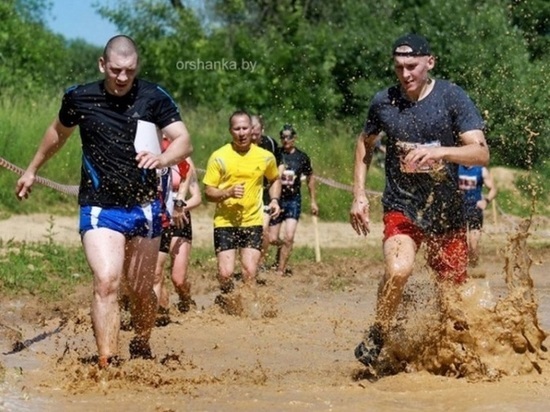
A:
[291,349]
[64,229]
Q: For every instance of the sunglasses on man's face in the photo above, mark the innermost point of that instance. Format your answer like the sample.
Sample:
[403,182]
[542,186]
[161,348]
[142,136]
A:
[287,137]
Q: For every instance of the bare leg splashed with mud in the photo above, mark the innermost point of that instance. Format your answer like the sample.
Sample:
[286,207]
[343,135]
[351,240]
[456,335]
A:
[472,334]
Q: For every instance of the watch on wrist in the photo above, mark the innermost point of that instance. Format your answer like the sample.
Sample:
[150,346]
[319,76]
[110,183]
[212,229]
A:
[179,203]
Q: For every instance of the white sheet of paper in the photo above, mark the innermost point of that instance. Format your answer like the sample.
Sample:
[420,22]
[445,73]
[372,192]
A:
[148,137]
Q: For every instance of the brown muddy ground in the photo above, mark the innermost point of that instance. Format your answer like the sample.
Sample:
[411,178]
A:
[292,346]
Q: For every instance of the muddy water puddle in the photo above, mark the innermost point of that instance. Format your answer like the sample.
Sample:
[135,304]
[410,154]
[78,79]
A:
[299,359]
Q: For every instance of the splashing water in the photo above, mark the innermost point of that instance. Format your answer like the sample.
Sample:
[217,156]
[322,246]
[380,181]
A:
[465,331]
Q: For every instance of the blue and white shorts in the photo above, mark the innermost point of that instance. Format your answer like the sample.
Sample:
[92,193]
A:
[140,220]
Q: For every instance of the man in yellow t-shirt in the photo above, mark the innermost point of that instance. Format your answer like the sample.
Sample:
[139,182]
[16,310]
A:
[234,181]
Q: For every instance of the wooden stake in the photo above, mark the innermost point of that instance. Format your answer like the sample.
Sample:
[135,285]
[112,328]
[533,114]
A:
[317,244]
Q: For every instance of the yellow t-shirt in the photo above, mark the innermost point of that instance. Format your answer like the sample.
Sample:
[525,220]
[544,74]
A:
[227,168]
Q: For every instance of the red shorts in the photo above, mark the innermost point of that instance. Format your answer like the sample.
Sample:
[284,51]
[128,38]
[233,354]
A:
[447,254]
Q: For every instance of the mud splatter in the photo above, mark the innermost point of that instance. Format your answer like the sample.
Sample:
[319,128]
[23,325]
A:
[249,302]
[467,332]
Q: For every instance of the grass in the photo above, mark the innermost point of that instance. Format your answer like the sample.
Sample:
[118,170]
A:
[51,270]
[44,269]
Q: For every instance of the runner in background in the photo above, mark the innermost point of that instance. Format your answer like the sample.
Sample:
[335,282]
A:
[271,145]
[471,180]
[234,181]
[176,183]
[296,164]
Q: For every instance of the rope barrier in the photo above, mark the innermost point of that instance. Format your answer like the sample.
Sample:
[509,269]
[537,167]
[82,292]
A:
[66,189]
[72,190]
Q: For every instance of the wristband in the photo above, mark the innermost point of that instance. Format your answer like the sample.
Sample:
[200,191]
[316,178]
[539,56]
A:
[276,199]
[179,203]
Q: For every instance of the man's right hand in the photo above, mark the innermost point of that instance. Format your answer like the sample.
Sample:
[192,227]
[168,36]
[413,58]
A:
[359,215]
[237,191]
[23,187]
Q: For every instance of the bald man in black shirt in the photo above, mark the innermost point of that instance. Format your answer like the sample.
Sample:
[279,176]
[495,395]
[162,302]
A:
[120,212]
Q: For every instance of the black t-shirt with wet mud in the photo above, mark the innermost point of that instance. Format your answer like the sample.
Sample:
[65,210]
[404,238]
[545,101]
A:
[108,124]
[430,197]
[297,164]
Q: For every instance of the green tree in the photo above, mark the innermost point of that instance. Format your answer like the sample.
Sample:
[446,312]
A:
[532,17]
[30,55]
[311,58]
[34,58]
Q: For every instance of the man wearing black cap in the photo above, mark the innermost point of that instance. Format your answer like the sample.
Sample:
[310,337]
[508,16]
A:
[431,127]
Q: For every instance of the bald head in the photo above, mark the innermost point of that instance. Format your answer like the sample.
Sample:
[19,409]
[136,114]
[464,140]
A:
[121,45]
[257,121]
[120,65]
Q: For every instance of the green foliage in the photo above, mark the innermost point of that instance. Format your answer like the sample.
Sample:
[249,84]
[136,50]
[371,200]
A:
[33,58]
[326,60]
[29,55]
[533,18]
[41,268]
[80,64]
[20,135]
[313,63]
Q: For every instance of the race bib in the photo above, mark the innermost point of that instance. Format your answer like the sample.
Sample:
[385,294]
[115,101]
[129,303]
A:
[288,177]
[403,148]
[467,182]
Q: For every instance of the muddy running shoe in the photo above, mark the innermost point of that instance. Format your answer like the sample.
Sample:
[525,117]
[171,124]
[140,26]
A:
[227,286]
[262,268]
[163,317]
[261,279]
[139,348]
[285,274]
[185,305]
[368,350]
[230,304]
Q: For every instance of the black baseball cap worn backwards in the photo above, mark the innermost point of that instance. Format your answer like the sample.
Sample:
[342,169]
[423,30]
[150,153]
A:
[411,45]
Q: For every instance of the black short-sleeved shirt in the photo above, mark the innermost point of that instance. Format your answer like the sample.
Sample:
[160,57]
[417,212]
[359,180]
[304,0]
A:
[108,124]
[269,144]
[431,199]
[297,164]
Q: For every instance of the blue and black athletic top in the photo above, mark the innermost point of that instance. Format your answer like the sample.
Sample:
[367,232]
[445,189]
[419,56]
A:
[470,181]
[108,124]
